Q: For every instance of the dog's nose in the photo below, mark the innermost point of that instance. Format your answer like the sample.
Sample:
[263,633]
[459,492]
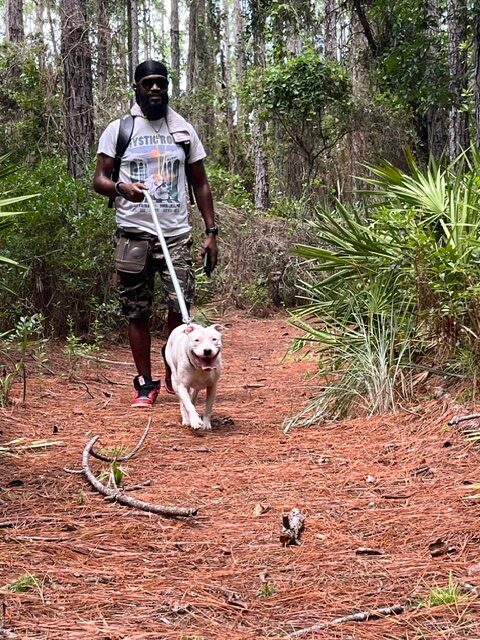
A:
[207,352]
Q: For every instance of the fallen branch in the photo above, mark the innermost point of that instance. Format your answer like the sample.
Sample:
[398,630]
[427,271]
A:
[119,496]
[458,419]
[362,616]
[127,456]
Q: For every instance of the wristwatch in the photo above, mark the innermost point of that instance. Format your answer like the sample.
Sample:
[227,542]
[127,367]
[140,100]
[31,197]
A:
[212,231]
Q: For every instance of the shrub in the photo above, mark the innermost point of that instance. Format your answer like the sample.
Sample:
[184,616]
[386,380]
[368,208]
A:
[412,250]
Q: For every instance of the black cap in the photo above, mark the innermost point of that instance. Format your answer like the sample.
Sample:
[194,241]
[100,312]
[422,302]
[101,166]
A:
[150,68]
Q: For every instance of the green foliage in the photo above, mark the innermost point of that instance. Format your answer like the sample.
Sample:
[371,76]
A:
[76,349]
[309,99]
[451,595]
[7,168]
[31,107]
[25,582]
[26,337]
[266,590]
[307,89]
[228,188]
[412,57]
[393,280]
[65,240]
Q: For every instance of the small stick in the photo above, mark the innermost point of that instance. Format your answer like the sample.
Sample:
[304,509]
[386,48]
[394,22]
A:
[362,616]
[37,538]
[103,361]
[127,456]
[118,496]
[458,419]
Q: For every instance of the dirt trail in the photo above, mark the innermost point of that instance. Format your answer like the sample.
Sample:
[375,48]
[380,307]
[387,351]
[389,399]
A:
[393,484]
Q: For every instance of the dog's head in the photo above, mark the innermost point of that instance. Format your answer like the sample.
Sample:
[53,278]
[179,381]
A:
[204,345]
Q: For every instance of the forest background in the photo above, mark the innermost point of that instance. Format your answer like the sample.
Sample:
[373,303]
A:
[341,141]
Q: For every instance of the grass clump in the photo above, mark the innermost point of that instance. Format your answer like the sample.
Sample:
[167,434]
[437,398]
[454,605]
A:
[25,582]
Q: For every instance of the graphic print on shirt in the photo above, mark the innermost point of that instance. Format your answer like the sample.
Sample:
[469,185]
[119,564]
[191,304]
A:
[155,161]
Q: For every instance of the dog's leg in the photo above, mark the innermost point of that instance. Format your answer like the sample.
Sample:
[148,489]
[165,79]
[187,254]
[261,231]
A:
[186,405]
[210,399]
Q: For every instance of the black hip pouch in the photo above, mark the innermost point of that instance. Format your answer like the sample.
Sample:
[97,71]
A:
[131,254]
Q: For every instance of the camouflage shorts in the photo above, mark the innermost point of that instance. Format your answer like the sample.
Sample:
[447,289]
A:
[136,290]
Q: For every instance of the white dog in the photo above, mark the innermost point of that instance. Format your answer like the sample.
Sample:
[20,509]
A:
[194,355]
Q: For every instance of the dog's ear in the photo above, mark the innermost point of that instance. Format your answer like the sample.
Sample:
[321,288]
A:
[218,327]
[189,328]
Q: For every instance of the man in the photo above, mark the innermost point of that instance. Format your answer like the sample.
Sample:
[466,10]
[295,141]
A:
[154,161]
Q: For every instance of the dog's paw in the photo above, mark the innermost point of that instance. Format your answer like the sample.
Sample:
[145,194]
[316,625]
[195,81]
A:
[196,422]
[207,425]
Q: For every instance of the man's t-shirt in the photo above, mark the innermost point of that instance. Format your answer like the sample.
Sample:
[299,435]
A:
[153,157]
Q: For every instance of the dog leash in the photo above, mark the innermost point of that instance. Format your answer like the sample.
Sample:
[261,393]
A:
[186,319]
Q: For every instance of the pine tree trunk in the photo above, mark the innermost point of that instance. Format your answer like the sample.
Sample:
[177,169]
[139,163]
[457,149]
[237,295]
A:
[14,31]
[103,37]
[78,95]
[330,44]
[262,200]
[436,116]
[458,138]
[226,87]
[239,21]
[195,28]
[133,40]
[175,48]
[39,12]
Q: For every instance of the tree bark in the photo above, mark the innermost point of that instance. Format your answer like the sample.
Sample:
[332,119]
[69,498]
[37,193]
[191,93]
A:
[14,31]
[175,48]
[239,21]
[78,95]
[359,9]
[330,42]
[196,31]
[133,40]
[458,138]
[226,87]
[103,38]
[262,199]
[436,116]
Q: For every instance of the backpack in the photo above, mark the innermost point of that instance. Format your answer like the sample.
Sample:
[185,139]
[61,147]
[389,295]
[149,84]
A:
[125,131]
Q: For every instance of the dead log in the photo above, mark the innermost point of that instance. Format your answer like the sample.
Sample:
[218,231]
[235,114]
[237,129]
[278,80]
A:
[118,496]
[293,523]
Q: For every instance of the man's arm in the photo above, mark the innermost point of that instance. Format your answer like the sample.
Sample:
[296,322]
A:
[103,183]
[203,197]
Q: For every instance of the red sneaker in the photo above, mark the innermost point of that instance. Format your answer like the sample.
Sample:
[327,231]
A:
[146,391]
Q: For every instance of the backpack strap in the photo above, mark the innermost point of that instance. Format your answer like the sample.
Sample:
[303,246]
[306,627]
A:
[186,148]
[125,131]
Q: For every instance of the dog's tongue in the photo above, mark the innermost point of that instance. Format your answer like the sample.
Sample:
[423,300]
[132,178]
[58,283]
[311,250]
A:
[207,363]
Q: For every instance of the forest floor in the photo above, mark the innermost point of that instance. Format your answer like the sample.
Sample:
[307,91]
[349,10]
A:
[376,494]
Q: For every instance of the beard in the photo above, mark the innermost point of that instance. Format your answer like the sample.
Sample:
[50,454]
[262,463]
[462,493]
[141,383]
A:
[152,111]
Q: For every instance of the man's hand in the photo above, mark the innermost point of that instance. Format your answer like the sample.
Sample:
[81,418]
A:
[103,183]
[132,191]
[210,246]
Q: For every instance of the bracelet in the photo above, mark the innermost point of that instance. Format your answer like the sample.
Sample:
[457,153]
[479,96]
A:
[213,231]
[119,191]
